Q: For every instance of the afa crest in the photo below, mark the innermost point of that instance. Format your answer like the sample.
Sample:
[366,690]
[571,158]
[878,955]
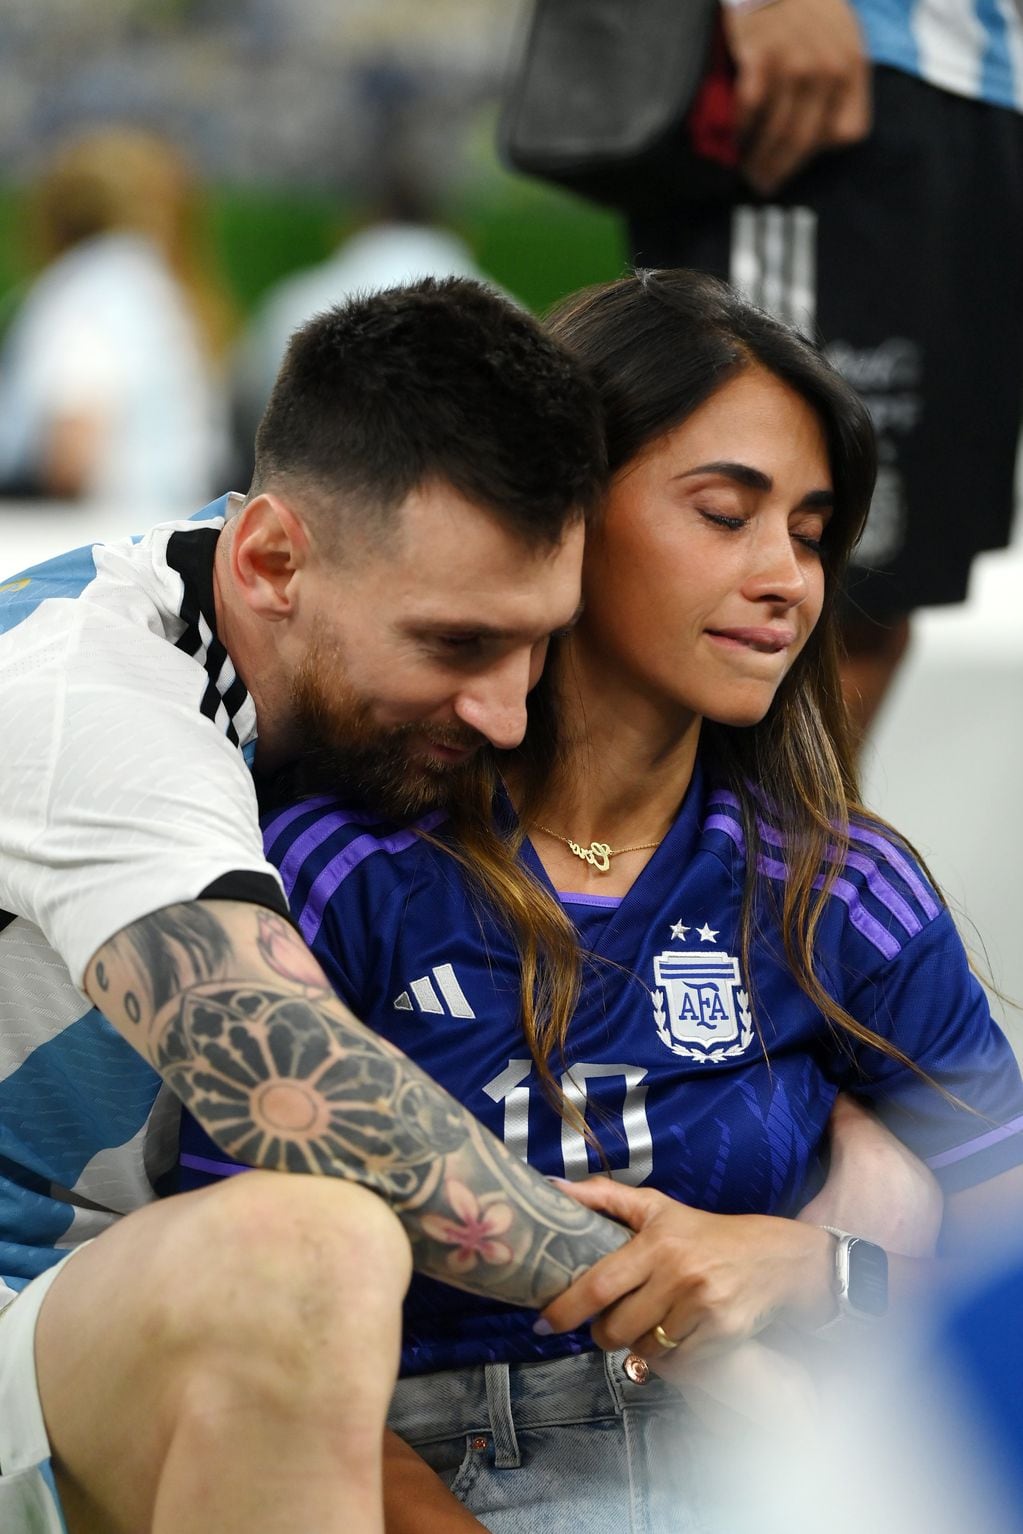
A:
[701,1010]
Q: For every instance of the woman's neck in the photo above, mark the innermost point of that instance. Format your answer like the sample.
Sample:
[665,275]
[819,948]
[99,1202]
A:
[625,763]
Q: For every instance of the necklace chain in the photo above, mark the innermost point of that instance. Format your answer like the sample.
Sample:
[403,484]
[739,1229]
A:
[597,854]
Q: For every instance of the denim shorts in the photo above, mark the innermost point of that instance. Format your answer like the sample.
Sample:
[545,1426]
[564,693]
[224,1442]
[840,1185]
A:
[570,1444]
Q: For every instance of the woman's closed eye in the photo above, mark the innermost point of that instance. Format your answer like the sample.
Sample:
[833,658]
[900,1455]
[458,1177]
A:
[722,519]
[810,532]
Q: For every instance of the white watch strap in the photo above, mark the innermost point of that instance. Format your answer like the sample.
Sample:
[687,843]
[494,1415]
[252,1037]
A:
[841,1271]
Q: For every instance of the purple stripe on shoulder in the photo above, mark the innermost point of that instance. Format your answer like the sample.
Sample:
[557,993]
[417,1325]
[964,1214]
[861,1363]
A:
[902,866]
[892,854]
[217,1168]
[729,826]
[333,875]
[883,892]
[975,1146]
[770,833]
[606,902]
[867,925]
[314,836]
[281,822]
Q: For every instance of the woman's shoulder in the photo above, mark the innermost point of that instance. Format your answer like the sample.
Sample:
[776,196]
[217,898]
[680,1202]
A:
[320,843]
[883,887]
[876,884]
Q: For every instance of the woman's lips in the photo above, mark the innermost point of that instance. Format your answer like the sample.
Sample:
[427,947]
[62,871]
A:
[765,641]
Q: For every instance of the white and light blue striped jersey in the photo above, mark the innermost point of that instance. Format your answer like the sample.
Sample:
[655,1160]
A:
[708,1081]
[123,788]
[973,48]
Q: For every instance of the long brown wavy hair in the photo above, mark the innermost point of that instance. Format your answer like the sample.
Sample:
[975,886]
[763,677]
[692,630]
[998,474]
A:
[659,344]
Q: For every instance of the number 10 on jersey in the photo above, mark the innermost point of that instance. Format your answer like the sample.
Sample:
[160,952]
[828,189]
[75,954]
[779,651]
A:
[634,1128]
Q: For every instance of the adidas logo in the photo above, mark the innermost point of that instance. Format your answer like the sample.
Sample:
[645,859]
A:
[450,1003]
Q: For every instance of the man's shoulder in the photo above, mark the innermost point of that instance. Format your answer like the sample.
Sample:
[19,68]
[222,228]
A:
[113,570]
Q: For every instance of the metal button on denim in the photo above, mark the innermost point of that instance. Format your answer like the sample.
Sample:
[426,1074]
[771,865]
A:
[480,1443]
[637,1369]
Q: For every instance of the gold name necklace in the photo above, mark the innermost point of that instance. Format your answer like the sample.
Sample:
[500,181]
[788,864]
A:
[597,854]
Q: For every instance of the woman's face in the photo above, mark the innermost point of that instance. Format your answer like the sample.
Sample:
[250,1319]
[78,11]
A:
[704,581]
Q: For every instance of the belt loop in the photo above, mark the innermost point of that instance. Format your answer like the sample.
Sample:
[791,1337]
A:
[612,1373]
[506,1446]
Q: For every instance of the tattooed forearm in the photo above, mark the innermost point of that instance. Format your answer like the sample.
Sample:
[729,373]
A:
[283,1077]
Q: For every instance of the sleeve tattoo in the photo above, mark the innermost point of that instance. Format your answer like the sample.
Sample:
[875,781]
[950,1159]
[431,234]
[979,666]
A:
[282,1077]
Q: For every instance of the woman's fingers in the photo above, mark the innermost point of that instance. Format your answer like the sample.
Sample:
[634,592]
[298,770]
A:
[607,1281]
[631,1206]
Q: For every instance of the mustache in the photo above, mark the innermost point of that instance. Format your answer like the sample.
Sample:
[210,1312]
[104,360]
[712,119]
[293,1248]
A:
[455,737]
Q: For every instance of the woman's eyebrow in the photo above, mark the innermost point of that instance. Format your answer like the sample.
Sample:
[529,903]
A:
[742,473]
[754,479]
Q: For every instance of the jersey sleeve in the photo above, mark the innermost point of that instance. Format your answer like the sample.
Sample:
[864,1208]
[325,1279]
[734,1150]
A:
[966,1121]
[119,795]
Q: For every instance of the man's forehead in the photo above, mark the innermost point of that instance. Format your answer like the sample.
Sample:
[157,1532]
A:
[487,616]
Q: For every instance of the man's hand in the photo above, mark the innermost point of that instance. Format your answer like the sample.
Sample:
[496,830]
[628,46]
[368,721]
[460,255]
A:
[710,1281]
[802,85]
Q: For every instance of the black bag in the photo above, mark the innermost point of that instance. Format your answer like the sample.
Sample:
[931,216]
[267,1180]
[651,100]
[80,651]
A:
[626,102]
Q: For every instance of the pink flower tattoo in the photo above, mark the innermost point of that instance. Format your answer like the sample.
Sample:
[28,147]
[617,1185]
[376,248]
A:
[472,1231]
[286,953]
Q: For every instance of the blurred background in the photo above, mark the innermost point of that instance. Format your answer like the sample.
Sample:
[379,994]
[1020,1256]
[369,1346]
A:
[280,106]
[231,159]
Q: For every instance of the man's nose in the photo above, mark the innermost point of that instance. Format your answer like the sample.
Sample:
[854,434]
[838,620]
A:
[495,702]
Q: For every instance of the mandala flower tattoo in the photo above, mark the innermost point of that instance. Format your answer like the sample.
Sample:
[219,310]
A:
[278,1084]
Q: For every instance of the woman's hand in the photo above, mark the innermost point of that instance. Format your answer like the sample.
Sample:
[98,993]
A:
[710,1281]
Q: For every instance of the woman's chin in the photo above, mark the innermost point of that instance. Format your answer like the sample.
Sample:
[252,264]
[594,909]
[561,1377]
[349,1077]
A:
[740,714]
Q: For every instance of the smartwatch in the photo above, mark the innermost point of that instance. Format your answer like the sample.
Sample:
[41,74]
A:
[861,1279]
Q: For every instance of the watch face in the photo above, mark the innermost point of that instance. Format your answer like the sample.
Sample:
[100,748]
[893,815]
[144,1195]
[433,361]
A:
[868,1278]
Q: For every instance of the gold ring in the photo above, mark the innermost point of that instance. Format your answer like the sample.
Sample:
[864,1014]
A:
[664,1339]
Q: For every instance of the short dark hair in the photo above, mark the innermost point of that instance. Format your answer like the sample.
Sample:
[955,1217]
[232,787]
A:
[443,380]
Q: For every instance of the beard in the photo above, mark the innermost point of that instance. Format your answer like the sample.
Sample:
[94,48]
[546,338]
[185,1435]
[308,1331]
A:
[343,750]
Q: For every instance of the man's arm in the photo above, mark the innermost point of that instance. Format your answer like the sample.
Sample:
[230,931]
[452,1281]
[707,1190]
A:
[876,1187]
[230,1007]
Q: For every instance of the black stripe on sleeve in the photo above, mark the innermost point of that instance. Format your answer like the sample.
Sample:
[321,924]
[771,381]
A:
[254,888]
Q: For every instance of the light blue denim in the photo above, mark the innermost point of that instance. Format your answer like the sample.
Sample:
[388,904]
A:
[558,1447]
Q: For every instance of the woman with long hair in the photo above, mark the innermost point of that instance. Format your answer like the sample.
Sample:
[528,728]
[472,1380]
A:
[659,939]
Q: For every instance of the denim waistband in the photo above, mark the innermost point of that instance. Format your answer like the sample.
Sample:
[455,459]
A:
[498,1398]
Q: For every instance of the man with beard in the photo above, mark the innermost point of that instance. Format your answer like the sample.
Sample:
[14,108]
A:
[382,597]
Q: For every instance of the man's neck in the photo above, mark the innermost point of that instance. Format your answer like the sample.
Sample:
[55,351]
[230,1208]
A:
[249,644]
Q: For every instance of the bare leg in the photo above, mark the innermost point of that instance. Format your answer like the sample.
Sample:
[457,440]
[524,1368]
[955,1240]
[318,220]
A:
[224,1361]
[873,654]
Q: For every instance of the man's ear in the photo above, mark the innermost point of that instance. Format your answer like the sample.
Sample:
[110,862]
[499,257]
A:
[269,549]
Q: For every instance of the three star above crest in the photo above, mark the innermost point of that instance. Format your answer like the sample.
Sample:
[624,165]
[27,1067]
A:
[707,933]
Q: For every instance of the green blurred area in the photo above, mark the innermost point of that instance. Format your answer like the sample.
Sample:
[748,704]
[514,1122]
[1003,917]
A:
[536,242]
